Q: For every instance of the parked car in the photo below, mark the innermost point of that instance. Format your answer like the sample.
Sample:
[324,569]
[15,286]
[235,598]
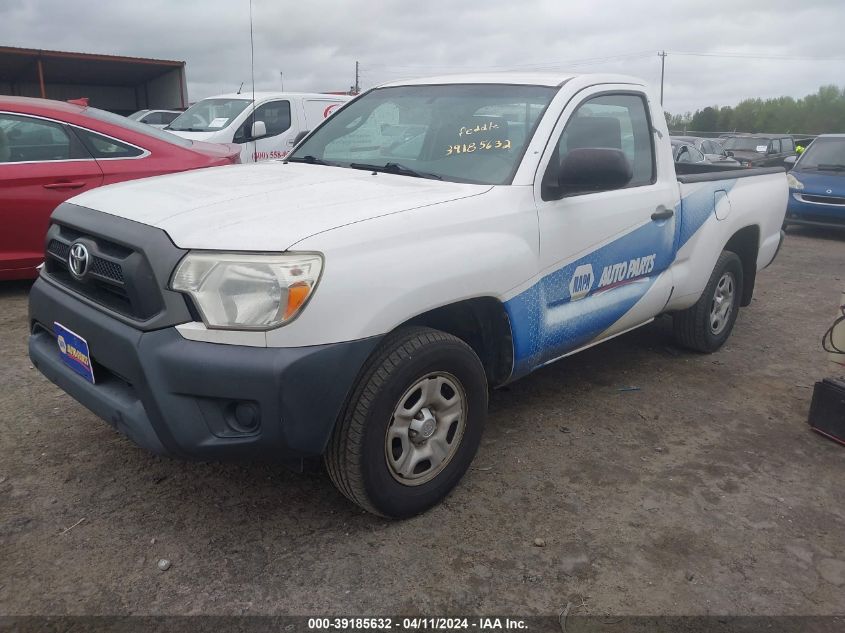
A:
[265,130]
[817,184]
[686,152]
[710,147]
[156,118]
[52,150]
[359,308]
[760,150]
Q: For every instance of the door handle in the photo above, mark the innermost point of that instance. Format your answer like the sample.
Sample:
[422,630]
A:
[74,184]
[662,213]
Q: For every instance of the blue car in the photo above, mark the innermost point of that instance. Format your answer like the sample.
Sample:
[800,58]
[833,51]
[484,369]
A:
[817,184]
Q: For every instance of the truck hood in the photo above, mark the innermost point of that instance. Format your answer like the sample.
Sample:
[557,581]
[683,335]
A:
[821,183]
[266,206]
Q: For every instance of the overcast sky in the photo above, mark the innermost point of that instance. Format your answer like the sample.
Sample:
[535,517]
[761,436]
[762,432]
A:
[315,44]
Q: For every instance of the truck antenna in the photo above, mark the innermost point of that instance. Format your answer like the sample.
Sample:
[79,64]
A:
[251,54]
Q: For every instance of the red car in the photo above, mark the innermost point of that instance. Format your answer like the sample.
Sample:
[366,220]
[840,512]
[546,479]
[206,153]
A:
[52,150]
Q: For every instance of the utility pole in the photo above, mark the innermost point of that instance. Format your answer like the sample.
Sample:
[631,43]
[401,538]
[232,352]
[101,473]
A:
[662,55]
[357,82]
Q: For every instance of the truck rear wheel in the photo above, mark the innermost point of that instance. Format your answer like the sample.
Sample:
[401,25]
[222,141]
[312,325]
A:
[412,425]
[706,325]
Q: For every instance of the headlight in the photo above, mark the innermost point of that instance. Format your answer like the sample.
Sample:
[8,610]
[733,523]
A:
[247,291]
[794,183]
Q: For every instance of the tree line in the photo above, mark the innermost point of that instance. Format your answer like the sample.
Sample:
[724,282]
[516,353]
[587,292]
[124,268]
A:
[819,113]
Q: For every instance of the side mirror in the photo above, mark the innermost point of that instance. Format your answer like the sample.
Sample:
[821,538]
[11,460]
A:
[299,136]
[259,129]
[772,150]
[594,169]
[789,161]
[728,152]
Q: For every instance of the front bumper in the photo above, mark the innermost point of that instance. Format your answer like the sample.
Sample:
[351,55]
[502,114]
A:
[197,400]
[800,211]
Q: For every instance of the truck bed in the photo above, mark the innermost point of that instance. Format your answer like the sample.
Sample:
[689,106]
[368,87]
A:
[704,172]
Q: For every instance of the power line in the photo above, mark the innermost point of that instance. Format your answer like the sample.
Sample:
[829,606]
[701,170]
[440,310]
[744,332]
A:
[532,66]
[759,56]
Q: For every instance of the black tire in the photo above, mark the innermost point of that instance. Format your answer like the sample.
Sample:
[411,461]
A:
[356,456]
[692,327]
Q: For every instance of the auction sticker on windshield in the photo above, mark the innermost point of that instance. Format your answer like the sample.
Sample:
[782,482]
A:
[74,351]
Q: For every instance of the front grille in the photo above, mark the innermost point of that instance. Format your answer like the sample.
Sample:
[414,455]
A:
[59,249]
[130,267]
[834,200]
[99,266]
[119,278]
[107,269]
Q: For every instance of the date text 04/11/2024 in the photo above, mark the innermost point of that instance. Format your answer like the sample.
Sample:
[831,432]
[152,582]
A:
[415,624]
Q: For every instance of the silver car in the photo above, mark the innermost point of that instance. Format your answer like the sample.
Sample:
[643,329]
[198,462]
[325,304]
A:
[710,147]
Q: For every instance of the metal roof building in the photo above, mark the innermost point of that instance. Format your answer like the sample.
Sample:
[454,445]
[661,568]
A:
[111,82]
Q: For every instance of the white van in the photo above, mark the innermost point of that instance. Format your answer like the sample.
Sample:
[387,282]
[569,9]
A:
[265,130]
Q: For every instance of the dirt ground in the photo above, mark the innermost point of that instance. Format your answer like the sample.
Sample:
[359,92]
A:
[701,492]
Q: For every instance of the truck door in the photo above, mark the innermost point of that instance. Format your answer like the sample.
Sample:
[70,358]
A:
[605,255]
[278,136]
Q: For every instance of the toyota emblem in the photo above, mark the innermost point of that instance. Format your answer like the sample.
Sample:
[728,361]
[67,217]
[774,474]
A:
[78,260]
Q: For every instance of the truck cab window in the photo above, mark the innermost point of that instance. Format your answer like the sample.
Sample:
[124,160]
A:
[618,121]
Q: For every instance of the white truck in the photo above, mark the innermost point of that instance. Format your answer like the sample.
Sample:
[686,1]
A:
[265,124]
[431,240]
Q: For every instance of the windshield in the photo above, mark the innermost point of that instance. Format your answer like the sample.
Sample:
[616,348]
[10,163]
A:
[824,152]
[209,115]
[746,144]
[463,132]
[135,126]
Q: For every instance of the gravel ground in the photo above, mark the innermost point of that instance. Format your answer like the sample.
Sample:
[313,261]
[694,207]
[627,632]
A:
[702,492]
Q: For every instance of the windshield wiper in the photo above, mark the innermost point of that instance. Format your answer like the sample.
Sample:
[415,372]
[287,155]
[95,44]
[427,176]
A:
[396,168]
[832,167]
[184,129]
[311,160]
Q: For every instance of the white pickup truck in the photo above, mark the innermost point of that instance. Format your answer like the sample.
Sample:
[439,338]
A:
[432,239]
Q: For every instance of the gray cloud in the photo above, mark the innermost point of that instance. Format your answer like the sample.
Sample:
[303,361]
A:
[316,44]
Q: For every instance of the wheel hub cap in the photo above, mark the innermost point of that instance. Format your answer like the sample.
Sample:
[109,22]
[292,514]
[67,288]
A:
[426,429]
[722,304]
[423,425]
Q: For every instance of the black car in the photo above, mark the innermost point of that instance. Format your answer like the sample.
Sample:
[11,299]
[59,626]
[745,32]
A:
[759,150]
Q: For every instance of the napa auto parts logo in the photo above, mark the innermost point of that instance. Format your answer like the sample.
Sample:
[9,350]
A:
[330,109]
[625,271]
[583,278]
[581,282]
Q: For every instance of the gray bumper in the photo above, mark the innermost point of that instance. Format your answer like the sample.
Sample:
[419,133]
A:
[197,400]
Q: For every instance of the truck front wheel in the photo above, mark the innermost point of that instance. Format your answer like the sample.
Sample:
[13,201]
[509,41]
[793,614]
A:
[412,425]
[706,325]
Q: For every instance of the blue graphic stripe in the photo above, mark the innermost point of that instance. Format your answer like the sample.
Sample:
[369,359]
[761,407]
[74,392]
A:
[698,206]
[547,323]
